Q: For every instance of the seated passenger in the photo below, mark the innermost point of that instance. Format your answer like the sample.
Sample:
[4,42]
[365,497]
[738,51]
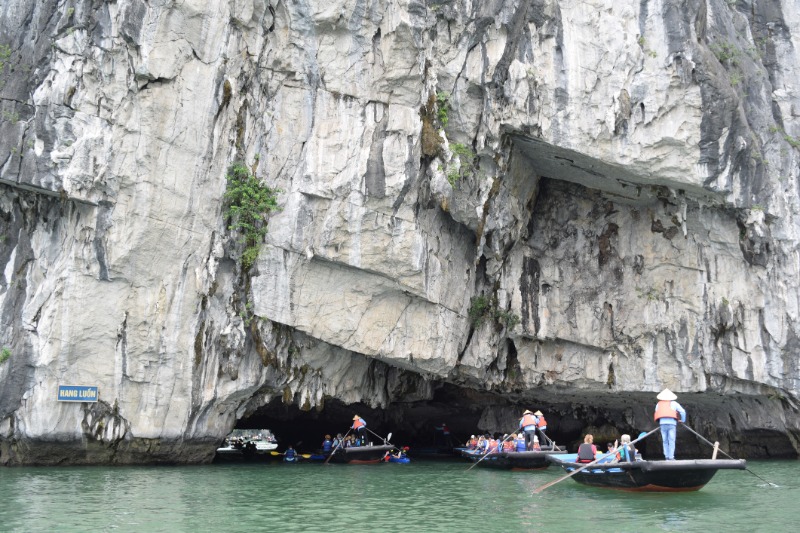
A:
[610,456]
[587,451]
[327,444]
[627,451]
[520,442]
[509,445]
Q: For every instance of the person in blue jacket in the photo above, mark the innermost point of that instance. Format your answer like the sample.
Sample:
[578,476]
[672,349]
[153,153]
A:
[290,456]
[327,444]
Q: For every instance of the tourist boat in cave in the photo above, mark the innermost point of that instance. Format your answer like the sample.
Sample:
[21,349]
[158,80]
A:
[533,460]
[648,476]
[360,455]
[248,445]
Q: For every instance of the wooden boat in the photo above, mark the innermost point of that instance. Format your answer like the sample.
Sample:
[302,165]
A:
[534,460]
[648,476]
[356,455]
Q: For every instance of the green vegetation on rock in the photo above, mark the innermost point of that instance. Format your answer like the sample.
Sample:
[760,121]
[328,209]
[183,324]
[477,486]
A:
[249,203]
[482,308]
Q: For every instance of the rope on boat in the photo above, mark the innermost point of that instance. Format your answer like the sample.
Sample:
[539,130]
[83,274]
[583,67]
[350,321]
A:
[726,454]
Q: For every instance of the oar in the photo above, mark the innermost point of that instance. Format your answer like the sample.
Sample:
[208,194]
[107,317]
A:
[304,455]
[725,454]
[488,453]
[385,440]
[537,490]
[337,446]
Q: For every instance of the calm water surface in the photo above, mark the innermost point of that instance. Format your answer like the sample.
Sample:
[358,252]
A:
[421,496]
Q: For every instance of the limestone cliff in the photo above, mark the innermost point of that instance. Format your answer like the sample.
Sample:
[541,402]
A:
[576,204]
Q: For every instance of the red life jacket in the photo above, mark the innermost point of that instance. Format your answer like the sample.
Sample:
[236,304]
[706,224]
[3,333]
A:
[542,422]
[528,420]
[664,410]
[359,423]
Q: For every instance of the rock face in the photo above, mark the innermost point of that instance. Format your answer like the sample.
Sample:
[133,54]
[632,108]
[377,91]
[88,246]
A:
[538,198]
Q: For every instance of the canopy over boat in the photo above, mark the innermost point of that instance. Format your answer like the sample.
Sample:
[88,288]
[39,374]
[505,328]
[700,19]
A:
[648,476]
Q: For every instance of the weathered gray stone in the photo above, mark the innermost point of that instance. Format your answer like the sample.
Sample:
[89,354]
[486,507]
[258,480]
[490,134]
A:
[621,178]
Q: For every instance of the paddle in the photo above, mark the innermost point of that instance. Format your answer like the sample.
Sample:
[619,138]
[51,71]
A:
[725,454]
[489,452]
[386,440]
[537,490]
[337,446]
[303,455]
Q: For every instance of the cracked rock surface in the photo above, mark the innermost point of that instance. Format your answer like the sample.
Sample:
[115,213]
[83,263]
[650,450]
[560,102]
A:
[537,198]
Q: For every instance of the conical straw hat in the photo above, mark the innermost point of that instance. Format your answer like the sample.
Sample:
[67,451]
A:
[666,395]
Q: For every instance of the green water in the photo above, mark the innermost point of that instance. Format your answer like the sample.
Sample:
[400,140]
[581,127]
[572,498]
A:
[421,496]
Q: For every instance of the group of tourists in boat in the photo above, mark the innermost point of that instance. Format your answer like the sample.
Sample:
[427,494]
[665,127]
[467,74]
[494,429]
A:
[529,447]
[620,467]
[520,450]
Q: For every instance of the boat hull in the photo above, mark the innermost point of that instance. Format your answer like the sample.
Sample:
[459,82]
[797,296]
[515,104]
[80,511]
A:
[653,476]
[360,454]
[510,460]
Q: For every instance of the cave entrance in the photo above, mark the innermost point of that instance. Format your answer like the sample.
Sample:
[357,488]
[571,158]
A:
[418,424]
[414,424]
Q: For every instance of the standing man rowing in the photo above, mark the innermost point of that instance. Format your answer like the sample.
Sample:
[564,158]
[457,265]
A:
[667,414]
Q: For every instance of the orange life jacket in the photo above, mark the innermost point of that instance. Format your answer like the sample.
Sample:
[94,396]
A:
[664,410]
[542,422]
[528,420]
[359,423]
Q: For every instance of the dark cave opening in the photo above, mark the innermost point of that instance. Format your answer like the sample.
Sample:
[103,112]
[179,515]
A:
[464,411]
[570,415]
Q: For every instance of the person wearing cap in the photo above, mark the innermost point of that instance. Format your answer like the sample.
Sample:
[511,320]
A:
[667,414]
[528,424]
[360,427]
